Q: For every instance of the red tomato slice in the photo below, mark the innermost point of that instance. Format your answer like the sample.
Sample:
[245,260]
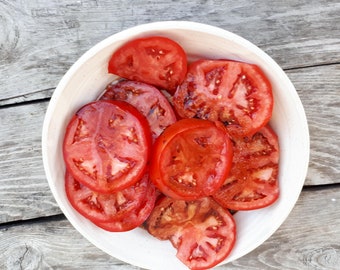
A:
[253,180]
[106,145]
[191,159]
[135,218]
[156,60]
[202,231]
[99,207]
[146,99]
[236,93]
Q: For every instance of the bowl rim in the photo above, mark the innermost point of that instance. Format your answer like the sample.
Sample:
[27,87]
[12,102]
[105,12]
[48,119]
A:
[164,26]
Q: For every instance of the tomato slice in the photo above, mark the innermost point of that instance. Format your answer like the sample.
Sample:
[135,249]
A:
[191,159]
[134,218]
[156,60]
[236,93]
[253,181]
[147,99]
[202,231]
[106,145]
[99,207]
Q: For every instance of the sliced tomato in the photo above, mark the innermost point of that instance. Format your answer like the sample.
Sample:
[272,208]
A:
[99,207]
[253,181]
[147,99]
[106,145]
[191,159]
[134,218]
[236,93]
[156,60]
[202,231]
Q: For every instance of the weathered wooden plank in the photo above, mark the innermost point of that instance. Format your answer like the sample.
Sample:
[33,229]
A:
[46,245]
[27,97]
[41,39]
[24,192]
[311,244]
[308,239]
[319,91]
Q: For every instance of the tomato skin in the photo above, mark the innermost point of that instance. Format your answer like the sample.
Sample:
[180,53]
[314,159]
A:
[107,145]
[202,231]
[156,60]
[236,93]
[253,180]
[191,159]
[145,98]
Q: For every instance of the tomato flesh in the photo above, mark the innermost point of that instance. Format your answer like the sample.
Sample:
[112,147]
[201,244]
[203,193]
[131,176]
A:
[202,231]
[236,93]
[134,218]
[191,159]
[99,207]
[145,98]
[156,60]
[253,179]
[106,145]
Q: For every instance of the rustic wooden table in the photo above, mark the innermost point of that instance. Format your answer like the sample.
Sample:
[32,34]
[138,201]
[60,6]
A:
[39,41]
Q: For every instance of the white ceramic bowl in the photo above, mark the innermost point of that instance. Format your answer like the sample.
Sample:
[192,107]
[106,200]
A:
[87,78]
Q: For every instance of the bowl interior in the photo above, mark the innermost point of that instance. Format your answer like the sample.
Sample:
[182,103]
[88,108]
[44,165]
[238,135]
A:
[87,78]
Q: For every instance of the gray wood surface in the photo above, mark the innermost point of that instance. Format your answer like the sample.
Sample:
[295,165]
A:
[39,41]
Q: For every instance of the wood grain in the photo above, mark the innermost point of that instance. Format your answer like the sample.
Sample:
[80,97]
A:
[51,244]
[40,40]
[24,192]
[309,239]
[319,91]
[311,244]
